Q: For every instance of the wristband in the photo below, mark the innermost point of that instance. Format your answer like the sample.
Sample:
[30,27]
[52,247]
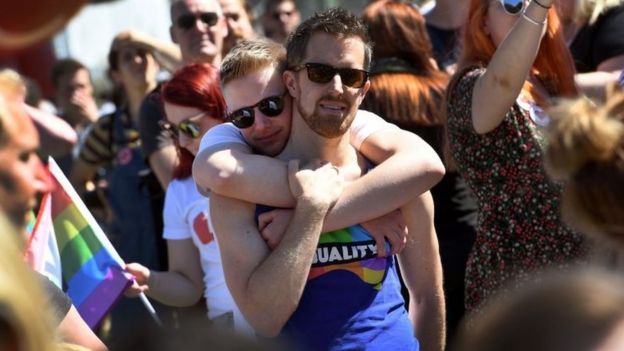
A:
[542,5]
[532,20]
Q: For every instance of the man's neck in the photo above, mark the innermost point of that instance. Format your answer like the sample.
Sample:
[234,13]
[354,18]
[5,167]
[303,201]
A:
[448,14]
[305,145]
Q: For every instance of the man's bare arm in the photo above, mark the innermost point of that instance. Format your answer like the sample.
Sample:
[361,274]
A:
[255,275]
[402,174]
[74,330]
[406,167]
[232,170]
[422,272]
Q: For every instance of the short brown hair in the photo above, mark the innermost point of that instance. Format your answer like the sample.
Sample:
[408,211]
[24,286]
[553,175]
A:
[334,21]
[249,56]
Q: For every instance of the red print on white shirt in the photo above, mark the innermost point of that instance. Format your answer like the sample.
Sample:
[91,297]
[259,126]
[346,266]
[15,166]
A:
[200,225]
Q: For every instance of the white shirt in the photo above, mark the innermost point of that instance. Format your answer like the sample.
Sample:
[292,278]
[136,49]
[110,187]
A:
[186,217]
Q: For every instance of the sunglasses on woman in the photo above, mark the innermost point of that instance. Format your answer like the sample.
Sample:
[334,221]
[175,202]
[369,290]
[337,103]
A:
[188,127]
[270,106]
[322,74]
[512,7]
[188,21]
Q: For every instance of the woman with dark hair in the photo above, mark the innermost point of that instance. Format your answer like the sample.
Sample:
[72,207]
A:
[408,90]
[193,104]
[514,62]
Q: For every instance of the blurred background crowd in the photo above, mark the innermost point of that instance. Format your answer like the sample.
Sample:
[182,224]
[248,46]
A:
[90,75]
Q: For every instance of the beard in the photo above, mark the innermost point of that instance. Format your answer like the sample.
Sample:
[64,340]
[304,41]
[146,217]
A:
[328,126]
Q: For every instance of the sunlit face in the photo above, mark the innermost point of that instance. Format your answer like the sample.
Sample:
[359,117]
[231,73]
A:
[267,135]
[238,23]
[181,116]
[328,109]
[22,175]
[136,69]
[201,43]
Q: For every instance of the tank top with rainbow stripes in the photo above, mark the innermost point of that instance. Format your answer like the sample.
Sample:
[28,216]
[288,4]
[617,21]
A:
[352,299]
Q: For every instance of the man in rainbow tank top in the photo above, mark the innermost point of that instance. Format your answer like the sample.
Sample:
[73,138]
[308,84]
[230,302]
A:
[326,291]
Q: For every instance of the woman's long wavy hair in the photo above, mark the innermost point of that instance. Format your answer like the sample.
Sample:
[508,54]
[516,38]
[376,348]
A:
[553,66]
[197,86]
[407,88]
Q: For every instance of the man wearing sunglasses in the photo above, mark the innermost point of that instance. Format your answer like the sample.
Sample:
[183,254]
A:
[309,287]
[199,29]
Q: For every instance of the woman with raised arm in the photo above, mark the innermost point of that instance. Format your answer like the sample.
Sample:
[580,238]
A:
[514,62]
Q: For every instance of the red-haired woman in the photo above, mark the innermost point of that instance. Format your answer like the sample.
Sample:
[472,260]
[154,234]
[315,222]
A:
[514,62]
[193,104]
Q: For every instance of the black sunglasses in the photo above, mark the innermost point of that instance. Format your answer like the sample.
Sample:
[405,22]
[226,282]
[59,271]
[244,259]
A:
[188,20]
[322,73]
[188,127]
[512,7]
[270,106]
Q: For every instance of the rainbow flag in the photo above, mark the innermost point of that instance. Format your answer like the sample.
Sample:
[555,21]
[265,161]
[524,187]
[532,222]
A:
[92,271]
[42,251]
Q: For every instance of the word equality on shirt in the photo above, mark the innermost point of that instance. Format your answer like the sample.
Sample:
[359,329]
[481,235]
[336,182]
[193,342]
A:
[339,253]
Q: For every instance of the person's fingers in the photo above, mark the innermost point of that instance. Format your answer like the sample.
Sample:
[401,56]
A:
[264,219]
[381,246]
[269,238]
[399,244]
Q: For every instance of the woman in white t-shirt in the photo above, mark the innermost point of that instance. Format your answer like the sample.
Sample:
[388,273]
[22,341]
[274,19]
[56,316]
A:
[193,104]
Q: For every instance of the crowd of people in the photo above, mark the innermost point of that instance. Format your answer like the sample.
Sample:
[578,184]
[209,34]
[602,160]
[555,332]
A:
[450,179]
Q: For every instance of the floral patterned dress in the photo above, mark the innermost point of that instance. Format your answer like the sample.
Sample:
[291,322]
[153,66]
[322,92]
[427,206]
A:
[519,229]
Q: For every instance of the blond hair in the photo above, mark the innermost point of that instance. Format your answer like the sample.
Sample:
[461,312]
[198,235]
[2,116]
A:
[588,11]
[586,152]
[249,56]
[24,318]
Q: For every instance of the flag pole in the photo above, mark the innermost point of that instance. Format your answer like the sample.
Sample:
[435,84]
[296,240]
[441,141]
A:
[150,309]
